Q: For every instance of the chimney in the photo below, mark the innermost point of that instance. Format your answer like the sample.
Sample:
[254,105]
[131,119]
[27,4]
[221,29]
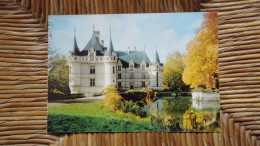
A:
[128,50]
[97,34]
[102,43]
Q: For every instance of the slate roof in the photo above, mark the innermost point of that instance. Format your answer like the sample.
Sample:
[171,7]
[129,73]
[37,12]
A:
[136,56]
[124,56]
[93,42]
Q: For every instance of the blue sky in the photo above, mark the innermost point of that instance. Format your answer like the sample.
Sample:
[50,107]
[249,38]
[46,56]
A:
[167,31]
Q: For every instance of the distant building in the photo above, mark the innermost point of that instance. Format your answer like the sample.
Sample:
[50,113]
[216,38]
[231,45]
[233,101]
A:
[97,67]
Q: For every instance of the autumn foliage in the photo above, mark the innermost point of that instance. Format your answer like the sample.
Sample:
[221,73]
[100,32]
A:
[201,61]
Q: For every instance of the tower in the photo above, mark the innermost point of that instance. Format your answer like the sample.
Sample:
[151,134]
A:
[74,67]
[156,73]
[110,65]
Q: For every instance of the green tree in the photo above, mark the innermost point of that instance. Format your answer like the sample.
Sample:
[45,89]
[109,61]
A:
[172,73]
[58,73]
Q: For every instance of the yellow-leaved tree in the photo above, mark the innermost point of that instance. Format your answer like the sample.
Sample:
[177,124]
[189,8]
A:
[201,61]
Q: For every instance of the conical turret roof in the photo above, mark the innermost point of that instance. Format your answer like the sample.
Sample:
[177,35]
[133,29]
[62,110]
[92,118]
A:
[75,45]
[110,48]
[156,58]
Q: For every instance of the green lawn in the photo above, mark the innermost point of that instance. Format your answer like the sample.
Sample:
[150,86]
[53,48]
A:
[94,117]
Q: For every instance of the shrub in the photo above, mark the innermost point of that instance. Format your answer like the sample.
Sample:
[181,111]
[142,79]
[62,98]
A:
[137,96]
[111,89]
[112,101]
[130,106]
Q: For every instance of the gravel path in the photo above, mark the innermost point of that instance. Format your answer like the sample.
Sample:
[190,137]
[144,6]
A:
[77,100]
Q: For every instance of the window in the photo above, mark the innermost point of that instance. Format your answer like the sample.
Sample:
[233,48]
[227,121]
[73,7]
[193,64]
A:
[143,76]
[131,67]
[143,67]
[75,58]
[157,83]
[157,74]
[131,75]
[91,56]
[92,82]
[82,59]
[114,57]
[92,69]
[119,85]
[113,70]
[157,66]
[119,76]
[70,70]
[143,84]
[119,67]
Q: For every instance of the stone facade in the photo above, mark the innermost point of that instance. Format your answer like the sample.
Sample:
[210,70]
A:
[97,67]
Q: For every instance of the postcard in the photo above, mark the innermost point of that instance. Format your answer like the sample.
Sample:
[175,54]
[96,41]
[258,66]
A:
[133,73]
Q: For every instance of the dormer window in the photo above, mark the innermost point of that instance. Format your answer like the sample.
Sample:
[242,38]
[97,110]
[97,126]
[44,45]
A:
[131,67]
[119,67]
[143,67]
[91,56]
[92,53]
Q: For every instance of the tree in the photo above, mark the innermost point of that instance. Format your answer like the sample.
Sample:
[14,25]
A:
[172,73]
[58,73]
[201,61]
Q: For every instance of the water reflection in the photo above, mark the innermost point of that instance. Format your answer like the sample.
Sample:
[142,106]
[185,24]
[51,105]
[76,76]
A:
[202,105]
[183,114]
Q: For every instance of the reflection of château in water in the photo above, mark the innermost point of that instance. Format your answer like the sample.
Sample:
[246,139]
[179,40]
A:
[97,67]
[214,105]
[203,100]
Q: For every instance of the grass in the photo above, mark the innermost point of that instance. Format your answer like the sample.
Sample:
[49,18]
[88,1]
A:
[93,117]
